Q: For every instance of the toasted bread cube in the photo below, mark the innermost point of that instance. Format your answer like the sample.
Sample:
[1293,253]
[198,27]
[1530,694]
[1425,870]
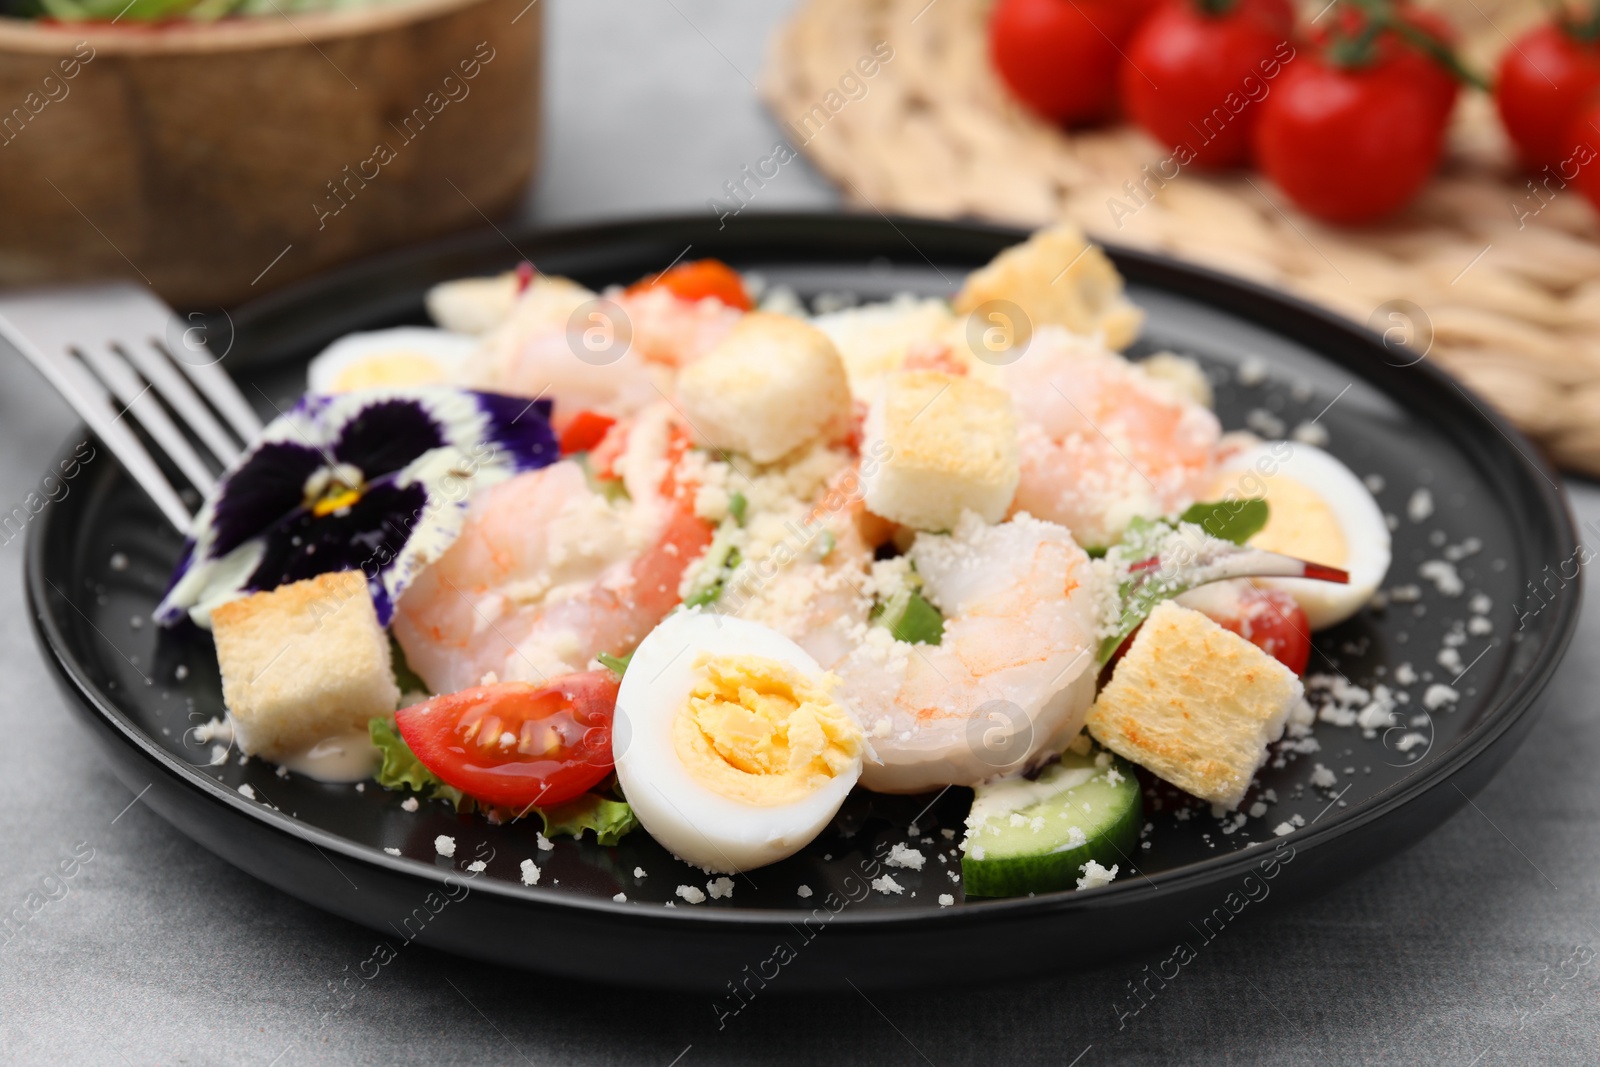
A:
[473,305]
[303,663]
[936,445]
[773,384]
[1195,704]
[1057,276]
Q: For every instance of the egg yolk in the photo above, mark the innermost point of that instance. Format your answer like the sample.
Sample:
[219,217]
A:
[757,731]
[1299,521]
[390,368]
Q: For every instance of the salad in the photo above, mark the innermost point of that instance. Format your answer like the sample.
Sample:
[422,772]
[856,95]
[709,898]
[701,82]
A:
[683,559]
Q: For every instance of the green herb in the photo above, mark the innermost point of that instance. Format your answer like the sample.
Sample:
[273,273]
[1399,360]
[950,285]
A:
[910,617]
[713,592]
[402,770]
[737,505]
[617,664]
[1229,520]
[612,489]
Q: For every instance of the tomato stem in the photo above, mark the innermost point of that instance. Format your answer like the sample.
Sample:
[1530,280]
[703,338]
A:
[1381,16]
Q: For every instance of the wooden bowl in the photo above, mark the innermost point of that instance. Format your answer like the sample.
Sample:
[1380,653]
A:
[218,161]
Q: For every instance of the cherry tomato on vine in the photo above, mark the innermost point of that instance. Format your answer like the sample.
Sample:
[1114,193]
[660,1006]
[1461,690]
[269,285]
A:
[1060,57]
[515,744]
[699,279]
[1545,77]
[1197,69]
[1582,165]
[1347,23]
[1349,144]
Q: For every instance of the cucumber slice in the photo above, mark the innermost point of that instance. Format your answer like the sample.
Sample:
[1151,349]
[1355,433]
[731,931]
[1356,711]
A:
[1035,836]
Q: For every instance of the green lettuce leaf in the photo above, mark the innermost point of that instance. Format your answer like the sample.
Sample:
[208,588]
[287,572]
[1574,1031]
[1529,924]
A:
[611,820]
[402,770]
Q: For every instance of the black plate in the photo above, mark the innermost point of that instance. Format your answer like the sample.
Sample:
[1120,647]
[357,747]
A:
[97,562]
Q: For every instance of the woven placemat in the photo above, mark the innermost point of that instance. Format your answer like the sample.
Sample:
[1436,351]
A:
[1496,283]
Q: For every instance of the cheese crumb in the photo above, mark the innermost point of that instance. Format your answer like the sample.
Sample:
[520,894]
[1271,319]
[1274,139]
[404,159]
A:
[530,873]
[691,894]
[720,887]
[1283,829]
[803,892]
[638,872]
[542,841]
[392,851]
[477,866]
[1420,506]
[1438,695]
[1095,875]
[945,900]
[444,845]
[1443,575]
[887,884]
[621,898]
[1405,674]
[1323,778]
[246,791]
[409,804]
[903,856]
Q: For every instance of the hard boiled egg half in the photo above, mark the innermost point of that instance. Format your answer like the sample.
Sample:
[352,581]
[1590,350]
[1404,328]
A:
[728,743]
[1318,510]
[405,355]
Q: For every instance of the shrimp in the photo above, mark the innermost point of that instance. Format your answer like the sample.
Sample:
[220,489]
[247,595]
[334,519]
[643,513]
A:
[615,353]
[1013,674]
[547,573]
[1100,441]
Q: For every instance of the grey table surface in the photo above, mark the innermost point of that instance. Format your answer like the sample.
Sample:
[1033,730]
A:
[1475,947]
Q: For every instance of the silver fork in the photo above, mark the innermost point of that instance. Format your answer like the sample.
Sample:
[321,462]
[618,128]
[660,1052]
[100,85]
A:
[109,350]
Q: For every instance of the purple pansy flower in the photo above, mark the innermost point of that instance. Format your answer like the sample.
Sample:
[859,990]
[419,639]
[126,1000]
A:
[376,481]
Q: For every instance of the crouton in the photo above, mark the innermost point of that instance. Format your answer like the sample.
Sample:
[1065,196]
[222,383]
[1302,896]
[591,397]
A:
[937,445]
[1195,704]
[1057,276]
[473,305]
[773,384]
[875,340]
[303,663]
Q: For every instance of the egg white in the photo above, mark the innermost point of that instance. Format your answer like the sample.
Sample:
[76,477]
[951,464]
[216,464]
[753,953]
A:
[447,350]
[1366,534]
[698,825]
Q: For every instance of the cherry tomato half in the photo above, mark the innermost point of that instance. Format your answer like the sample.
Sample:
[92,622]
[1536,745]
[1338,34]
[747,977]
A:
[1349,144]
[585,430]
[515,744]
[1060,57]
[1271,620]
[699,279]
[1545,76]
[1194,77]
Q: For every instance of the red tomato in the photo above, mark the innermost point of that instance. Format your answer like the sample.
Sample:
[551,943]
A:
[1271,620]
[1060,57]
[586,430]
[699,279]
[1348,145]
[1442,85]
[1582,165]
[1194,78]
[1545,76]
[515,744]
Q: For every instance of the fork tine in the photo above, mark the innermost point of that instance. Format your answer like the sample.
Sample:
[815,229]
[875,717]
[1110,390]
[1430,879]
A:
[93,404]
[215,385]
[175,389]
[113,369]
